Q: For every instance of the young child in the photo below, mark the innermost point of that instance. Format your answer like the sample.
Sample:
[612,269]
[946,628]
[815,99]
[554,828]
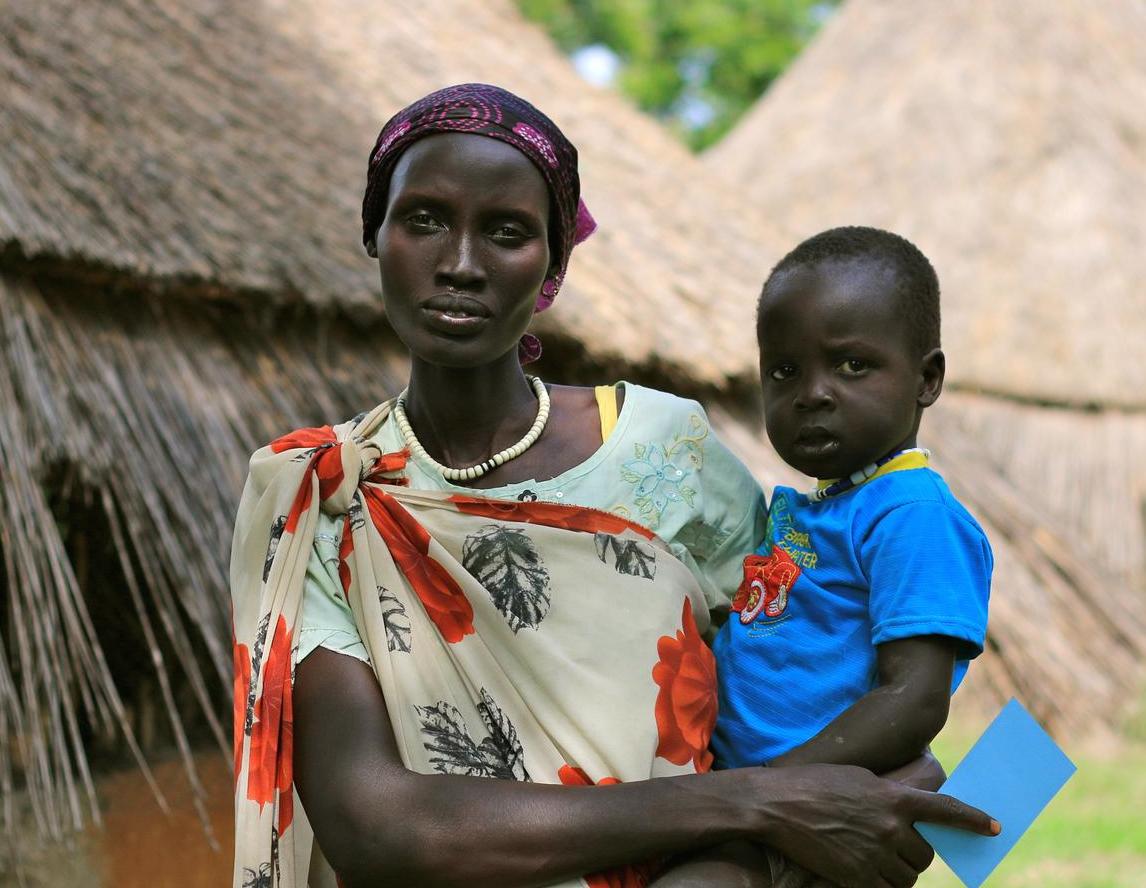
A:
[868,596]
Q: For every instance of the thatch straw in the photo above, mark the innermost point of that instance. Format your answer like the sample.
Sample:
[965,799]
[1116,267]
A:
[1007,141]
[152,409]
[221,148]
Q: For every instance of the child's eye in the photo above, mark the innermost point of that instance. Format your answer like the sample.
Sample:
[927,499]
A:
[852,366]
[781,372]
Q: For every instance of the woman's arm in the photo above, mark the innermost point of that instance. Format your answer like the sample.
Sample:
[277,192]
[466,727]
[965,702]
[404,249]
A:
[745,864]
[381,824]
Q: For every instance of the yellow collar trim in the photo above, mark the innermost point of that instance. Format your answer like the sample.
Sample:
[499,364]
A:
[915,458]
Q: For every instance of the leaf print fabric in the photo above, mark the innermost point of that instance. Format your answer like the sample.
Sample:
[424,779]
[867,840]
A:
[260,878]
[273,544]
[505,561]
[396,620]
[439,588]
[408,542]
[453,751]
[632,557]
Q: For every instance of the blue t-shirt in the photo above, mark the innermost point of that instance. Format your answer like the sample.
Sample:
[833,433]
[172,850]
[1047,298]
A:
[894,558]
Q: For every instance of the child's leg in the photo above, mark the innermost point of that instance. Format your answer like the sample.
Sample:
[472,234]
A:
[732,865]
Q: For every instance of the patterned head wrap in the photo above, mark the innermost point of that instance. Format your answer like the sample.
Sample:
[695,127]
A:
[486,110]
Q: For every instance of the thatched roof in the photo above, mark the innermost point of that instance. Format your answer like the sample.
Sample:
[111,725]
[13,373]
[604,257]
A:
[222,147]
[1008,141]
[177,175]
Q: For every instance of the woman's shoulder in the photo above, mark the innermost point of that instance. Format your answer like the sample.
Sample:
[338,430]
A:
[659,407]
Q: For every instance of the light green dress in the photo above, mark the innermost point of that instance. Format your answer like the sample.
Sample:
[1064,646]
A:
[661,466]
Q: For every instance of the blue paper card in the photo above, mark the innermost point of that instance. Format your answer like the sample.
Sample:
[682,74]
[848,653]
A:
[1012,772]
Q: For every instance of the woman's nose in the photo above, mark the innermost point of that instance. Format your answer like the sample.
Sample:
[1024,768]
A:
[460,265]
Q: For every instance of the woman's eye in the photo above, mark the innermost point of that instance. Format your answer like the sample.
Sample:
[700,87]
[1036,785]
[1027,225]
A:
[423,222]
[508,233]
[852,366]
[782,372]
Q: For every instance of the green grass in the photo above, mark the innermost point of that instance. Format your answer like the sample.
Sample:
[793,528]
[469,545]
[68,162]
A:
[1092,835]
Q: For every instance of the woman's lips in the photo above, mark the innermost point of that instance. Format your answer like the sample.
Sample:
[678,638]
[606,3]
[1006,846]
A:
[455,315]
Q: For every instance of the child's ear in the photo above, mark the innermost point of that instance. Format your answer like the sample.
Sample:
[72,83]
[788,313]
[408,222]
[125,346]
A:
[931,369]
[372,248]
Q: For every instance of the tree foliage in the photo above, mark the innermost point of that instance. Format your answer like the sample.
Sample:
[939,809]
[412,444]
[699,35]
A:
[684,60]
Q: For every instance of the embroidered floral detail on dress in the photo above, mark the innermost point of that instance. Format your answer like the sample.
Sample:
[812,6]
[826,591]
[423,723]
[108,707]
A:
[660,472]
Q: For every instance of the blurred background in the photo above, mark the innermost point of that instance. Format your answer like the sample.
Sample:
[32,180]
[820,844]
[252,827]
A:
[179,193]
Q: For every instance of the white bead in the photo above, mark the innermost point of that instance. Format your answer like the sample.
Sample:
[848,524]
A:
[472,472]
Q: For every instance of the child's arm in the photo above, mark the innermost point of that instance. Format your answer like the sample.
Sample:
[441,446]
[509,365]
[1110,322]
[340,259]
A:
[892,724]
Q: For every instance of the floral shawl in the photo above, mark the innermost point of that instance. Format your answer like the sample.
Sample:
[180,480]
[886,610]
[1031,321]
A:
[520,641]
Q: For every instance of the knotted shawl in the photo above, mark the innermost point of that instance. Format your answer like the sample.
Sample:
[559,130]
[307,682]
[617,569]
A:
[520,641]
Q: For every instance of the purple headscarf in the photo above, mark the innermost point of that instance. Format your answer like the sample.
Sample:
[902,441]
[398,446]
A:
[486,110]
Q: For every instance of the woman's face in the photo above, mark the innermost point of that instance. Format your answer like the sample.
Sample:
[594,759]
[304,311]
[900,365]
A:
[463,248]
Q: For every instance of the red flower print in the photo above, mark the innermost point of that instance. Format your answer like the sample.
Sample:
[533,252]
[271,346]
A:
[241,656]
[300,503]
[552,514]
[571,776]
[409,543]
[630,876]
[272,733]
[388,463]
[304,439]
[686,702]
[345,550]
[325,462]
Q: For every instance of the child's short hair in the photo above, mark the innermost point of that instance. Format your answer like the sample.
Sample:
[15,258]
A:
[917,285]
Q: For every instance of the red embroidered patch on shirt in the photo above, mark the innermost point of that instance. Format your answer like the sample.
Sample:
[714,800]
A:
[765,587]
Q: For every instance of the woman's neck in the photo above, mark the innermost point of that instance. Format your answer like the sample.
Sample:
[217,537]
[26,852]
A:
[464,415]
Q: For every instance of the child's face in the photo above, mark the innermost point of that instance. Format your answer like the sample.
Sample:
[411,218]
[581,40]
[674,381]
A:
[842,383]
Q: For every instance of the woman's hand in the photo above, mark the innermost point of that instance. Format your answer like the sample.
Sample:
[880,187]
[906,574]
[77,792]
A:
[854,828]
[381,824]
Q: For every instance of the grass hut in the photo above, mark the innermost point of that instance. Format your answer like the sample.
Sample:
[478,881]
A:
[181,279]
[1007,141]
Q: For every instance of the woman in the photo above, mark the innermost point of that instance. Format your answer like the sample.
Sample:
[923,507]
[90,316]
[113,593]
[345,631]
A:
[460,585]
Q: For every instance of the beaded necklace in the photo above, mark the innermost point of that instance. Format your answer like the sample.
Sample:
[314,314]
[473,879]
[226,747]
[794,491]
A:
[470,473]
[842,485]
